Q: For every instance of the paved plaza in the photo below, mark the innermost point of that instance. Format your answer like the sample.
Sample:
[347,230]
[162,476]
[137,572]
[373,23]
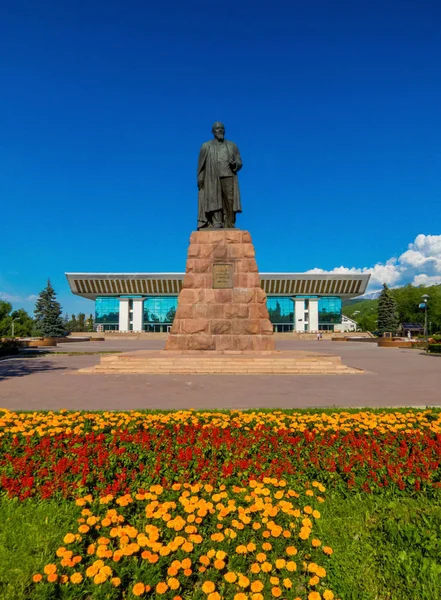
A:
[393,377]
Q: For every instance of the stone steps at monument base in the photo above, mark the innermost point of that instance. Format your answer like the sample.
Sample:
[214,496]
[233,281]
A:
[225,366]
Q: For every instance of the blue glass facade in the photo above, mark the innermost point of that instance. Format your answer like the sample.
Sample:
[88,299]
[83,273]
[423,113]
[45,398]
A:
[159,312]
[107,312]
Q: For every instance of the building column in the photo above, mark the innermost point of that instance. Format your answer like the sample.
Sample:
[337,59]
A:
[138,314]
[299,314]
[123,314]
[313,314]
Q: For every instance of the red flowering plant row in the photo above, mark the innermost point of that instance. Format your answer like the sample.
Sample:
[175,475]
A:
[67,454]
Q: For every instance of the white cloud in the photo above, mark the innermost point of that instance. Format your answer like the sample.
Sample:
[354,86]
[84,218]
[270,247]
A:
[420,264]
[31,298]
[9,297]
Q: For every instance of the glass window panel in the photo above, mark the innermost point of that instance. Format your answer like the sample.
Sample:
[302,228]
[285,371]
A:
[160,309]
[329,310]
[280,309]
[107,310]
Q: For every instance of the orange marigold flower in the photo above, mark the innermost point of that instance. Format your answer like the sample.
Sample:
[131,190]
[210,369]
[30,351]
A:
[115,581]
[291,551]
[208,586]
[261,557]
[161,587]
[240,596]
[52,577]
[173,583]
[187,572]
[230,577]
[69,538]
[255,568]
[276,592]
[266,546]
[316,543]
[257,596]
[314,580]
[327,550]
[64,579]
[83,528]
[219,564]
[60,552]
[243,581]
[99,578]
[328,595]
[291,566]
[314,596]
[320,572]
[266,567]
[138,589]
[287,583]
[280,563]
[50,569]
[37,577]
[186,563]
[76,578]
[256,586]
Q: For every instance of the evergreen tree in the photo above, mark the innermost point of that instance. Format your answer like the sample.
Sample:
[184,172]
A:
[387,311]
[81,322]
[90,323]
[48,319]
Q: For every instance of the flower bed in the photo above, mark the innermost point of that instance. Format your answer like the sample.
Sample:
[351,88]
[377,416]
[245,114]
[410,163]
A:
[67,454]
[255,541]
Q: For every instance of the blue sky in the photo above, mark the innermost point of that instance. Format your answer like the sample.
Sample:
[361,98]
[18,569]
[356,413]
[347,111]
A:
[104,105]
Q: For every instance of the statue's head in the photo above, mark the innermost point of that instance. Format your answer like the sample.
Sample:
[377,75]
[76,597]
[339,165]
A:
[218,130]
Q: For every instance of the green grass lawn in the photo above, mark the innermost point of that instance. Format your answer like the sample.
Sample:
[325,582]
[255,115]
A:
[384,548]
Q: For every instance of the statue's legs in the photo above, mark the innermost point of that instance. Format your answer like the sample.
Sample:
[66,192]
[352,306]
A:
[216,218]
[227,187]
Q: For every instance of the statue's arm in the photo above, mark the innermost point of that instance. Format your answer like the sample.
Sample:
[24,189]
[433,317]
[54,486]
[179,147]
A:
[236,159]
[201,165]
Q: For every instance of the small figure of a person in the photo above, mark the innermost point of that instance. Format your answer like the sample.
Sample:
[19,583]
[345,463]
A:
[318,336]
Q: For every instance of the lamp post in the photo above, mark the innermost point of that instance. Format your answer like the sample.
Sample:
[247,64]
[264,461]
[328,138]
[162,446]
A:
[12,326]
[425,299]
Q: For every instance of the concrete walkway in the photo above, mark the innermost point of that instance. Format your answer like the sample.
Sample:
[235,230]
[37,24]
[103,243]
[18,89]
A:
[393,377]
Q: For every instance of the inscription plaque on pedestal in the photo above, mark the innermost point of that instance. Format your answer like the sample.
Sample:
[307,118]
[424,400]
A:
[222,276]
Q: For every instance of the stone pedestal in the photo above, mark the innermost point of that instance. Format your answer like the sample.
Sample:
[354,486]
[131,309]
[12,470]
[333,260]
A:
[221,306]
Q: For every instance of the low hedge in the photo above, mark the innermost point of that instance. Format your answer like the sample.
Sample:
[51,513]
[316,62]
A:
[8,346]
[434,348]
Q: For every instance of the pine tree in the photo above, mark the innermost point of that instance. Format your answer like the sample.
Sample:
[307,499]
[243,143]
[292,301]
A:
[48,319]
[73,324]
[387,311]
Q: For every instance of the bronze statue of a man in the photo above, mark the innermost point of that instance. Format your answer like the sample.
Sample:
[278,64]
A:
[219,198]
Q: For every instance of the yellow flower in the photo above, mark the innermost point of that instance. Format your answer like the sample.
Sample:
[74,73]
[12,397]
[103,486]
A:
[320,571]
[115,581]
[241,549]
[220,554]
[291,551]
[327,550]
[50,569]
[161,587]
[291,566]
[69,538]
[243,581]
[314,596]
[274,580]
[240,596]
[255,568]
[256,586]
[257,597]
[173,583]
[138,589]
[316,543]
[230,577]
[261,557]
[328,595]
[314,580]
[280,563]
[287,583]
[214,596]
[99,578]
[266,546]
[219,564]
[76,578]
[208,586]
[266,567]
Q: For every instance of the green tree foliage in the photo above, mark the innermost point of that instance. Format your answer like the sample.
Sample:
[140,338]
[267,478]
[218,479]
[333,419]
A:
[388,319]
[90,323]
[23,323]
[81,322]
[48,319]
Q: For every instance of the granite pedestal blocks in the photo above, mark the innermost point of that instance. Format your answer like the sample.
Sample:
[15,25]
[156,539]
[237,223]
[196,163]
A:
[221,306]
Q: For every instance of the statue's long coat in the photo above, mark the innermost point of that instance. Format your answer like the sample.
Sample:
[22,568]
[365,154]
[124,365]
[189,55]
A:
[210,196]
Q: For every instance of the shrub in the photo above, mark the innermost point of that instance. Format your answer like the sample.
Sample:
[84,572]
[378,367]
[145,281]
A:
[8,347]
[434,348]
